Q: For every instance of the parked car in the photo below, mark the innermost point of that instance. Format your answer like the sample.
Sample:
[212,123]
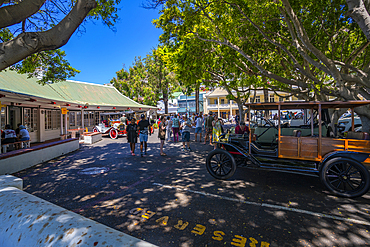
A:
[345,123]
[306,149]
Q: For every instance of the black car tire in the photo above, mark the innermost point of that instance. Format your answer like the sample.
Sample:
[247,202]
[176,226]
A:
[220,164]
[345,177]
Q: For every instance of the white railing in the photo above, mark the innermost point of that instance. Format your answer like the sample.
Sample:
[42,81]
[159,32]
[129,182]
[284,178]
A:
[224,105]
[212,106]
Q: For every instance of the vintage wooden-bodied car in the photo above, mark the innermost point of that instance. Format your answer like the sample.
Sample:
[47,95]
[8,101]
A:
[341,164]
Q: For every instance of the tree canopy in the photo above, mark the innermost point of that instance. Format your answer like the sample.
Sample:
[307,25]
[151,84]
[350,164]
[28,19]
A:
[31,31]
[313,49]
[148,80]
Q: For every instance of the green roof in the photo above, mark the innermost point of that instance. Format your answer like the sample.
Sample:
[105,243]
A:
[66,91]
[11,81]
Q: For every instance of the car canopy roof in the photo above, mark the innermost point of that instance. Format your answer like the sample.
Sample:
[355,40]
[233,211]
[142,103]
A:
[289,105]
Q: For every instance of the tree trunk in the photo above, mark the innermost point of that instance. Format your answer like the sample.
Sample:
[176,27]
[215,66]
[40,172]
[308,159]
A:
[364,113]
[266,99]
[241,109]
[197,99]
[334,117]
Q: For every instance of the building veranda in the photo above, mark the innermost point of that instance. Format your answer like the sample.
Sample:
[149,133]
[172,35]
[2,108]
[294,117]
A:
[49,111]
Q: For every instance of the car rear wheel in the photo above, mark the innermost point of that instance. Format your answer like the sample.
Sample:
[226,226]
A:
[113,133]
[220,164]
[345,177]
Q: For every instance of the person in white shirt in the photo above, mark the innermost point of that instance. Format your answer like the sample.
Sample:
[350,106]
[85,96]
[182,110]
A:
[8,135]
[23,133]
[199,127]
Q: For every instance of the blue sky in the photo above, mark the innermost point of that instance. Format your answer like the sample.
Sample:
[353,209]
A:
[99,52]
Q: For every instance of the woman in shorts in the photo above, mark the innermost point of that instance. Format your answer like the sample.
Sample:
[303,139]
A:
[162,134]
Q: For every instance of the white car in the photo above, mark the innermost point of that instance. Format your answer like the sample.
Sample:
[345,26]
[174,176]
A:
[345,124]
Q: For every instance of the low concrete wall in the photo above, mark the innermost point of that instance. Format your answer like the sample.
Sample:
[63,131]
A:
[25,158]
[26,220]
[92,137]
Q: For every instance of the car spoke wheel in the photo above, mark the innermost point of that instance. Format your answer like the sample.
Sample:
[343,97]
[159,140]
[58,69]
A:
[220,164]
[113,133]
[345,177]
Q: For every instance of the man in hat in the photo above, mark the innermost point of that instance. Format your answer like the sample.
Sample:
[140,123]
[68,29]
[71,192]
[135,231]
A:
[144,127]
[124,119]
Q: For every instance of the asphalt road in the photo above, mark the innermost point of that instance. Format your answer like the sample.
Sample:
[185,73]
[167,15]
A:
[173,201]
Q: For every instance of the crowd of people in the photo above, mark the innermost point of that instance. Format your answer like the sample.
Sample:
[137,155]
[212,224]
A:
[173,128]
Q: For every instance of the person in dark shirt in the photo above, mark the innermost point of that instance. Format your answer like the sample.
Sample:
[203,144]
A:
[144,127]
[241,129]
[132,135]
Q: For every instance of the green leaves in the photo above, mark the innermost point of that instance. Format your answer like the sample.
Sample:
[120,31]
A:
[49,66]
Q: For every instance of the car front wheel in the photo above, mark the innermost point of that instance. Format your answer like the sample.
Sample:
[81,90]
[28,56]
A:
[345,177]
[113,133]
[220,164]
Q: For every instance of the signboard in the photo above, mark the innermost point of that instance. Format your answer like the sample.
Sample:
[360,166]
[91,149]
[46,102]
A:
[64,110]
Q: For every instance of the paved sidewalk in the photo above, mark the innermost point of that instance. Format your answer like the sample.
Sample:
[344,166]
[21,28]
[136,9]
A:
[173,201]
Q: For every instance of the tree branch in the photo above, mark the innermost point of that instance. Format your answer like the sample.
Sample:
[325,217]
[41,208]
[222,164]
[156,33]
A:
[357,11]
[13,14]
[26,44]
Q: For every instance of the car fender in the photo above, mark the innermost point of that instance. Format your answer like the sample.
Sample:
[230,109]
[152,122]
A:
[360,157]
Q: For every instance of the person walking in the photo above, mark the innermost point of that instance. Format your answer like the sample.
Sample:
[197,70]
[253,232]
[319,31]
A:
[216,131]
[186,127]
[132,135]
[175,128]
[169,128]
[162,134]
[144,127]
[209,128]
[198,127]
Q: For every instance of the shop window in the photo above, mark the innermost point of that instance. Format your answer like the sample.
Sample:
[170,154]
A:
[72,119]
[281,99]
[3,117]
[222,101]
[78,119]
[52,119]
[97,118]
[215,102]
[30,119]
[258,99]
